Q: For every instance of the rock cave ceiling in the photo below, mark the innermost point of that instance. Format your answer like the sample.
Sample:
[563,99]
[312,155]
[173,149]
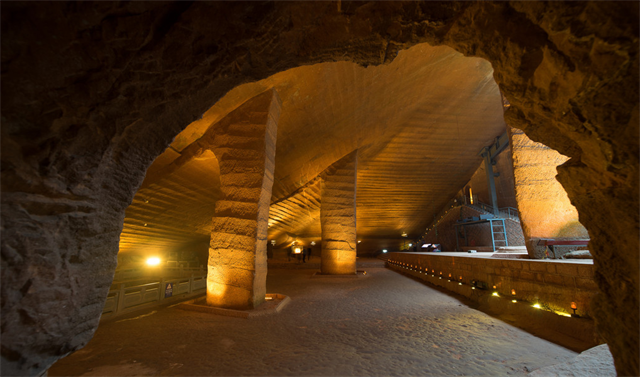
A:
[418,124]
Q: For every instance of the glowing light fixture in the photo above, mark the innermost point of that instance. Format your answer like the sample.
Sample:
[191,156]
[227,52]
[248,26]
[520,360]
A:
[404,234]
[313,243]
[410,244]
[470,195]
[297,250]
[537,306]
[514,301]
[574,307]
[495,294]
[359,241]
[153,261]
[513,292]
[384,250]
[273,242]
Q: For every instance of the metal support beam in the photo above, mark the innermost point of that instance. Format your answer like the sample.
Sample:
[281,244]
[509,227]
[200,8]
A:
[489,153]
[488,167]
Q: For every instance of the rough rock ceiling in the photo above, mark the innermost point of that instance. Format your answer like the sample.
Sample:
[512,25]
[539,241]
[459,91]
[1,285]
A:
[418,122]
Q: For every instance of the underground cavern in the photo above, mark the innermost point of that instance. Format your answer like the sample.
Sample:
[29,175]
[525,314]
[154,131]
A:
[328,122]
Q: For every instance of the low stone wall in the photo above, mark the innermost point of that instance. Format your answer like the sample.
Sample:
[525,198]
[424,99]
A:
[552,284]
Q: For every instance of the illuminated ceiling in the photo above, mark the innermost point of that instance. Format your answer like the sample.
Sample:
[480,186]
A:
[418,122]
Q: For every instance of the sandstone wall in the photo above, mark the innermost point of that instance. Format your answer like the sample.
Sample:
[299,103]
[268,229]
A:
[93,92]
[544,208]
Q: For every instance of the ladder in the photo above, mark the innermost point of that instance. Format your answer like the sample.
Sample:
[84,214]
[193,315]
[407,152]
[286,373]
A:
[498,233]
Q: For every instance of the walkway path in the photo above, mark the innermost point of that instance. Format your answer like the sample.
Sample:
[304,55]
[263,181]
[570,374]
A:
[381,324]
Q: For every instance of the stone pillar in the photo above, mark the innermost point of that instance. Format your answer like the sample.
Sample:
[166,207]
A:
[544,207]
[338,217]
[245,145]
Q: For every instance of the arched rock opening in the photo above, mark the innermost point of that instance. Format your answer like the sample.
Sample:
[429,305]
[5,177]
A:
[93,92]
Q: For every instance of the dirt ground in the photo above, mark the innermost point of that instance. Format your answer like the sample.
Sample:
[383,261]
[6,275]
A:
[380,324]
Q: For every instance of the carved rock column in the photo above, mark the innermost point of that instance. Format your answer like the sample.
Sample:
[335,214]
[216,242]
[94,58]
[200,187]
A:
[245,145]
[544,207]
[338,217]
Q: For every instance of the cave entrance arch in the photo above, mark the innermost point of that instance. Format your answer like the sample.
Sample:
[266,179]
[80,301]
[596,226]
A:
[573,86]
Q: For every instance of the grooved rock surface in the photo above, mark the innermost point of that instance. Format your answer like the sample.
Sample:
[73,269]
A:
[338,217]
[246,145]
[92,93]
[418,123]
[544,208]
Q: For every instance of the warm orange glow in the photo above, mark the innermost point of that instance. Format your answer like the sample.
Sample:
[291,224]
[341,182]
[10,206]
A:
[470,195]
[574,306]
[297,250]
[513,292]
[153,261]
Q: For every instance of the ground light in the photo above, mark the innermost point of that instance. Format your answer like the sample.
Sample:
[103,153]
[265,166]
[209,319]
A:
[153,261]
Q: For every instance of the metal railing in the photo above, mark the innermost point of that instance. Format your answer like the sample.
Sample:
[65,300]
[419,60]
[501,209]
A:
[505,212]
[510,212]
[127,299]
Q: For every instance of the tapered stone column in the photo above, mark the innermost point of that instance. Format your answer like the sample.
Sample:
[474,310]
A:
[338,217]
[544,207]
[245,145]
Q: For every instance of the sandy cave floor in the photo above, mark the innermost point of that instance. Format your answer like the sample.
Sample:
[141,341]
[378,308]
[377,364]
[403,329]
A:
[381,324]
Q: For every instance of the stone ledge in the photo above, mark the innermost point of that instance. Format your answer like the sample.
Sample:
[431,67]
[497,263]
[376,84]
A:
[270,307]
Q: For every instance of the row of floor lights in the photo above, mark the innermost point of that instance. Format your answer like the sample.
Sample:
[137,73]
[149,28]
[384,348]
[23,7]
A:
[494,293]
[460,282]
